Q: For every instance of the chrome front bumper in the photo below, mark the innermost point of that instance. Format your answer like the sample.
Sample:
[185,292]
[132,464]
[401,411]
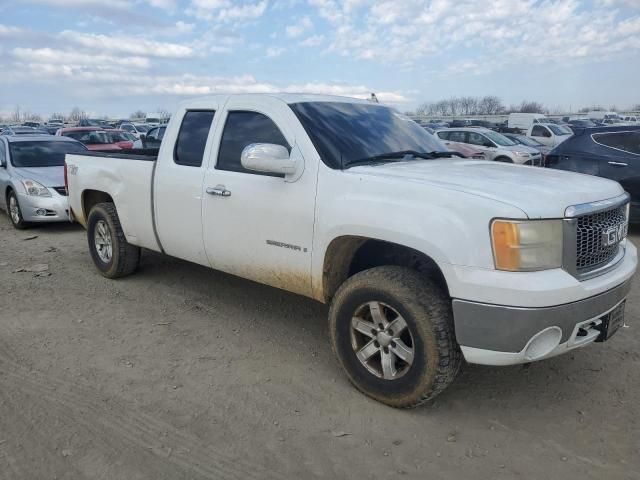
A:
[44,209]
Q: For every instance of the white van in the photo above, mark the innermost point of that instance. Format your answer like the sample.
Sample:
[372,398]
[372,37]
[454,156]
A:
[524,121]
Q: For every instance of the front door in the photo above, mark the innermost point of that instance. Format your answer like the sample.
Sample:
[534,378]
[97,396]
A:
[259,226]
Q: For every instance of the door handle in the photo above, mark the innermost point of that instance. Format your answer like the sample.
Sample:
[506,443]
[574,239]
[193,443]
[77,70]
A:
[618,164]
[219,190]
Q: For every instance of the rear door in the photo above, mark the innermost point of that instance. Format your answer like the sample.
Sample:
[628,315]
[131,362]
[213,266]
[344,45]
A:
[481,142]
[262,228]
[622,160]
[178,190]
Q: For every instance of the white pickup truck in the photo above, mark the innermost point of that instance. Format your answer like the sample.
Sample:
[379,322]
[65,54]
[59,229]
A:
[425,260]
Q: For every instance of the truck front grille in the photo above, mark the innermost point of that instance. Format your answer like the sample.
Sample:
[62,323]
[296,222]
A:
[591,251]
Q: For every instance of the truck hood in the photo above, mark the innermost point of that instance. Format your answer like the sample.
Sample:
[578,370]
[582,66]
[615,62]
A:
[538,192]
[47,176]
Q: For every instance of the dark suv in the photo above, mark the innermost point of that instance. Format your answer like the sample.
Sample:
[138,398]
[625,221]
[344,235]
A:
[610,152]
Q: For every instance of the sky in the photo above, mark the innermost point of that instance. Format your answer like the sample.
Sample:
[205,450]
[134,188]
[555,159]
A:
[112,57]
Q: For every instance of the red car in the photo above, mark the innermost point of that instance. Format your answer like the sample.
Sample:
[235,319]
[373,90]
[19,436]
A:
[119,137]
[94,138]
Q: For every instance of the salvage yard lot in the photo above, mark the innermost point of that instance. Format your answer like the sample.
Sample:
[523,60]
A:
[183,372]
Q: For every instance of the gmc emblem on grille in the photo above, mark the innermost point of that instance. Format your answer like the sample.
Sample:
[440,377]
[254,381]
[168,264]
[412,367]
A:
[613,235]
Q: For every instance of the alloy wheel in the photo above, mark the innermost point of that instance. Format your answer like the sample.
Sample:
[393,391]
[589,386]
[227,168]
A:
[382,340]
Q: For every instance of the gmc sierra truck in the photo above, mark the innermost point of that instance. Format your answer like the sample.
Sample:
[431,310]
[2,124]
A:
[424,259]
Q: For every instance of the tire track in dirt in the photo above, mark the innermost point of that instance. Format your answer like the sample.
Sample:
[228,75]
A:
[121,430]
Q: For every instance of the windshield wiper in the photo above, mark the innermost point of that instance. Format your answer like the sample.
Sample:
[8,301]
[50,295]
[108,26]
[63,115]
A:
[398,157]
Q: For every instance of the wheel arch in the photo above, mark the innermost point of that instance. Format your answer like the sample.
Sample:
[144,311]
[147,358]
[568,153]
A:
[350,254]
[90,198]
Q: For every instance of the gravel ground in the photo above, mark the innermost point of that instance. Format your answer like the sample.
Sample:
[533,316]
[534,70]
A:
[180,372]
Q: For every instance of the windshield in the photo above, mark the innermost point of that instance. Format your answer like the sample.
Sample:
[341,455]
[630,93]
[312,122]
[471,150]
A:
[93,137]
[344,133]
[559,129]
[142,128]
[129,136]
[499,138]
[42,154]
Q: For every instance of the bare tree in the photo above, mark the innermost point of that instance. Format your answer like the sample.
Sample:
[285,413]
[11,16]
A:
[531,107]
[468,106]
[490,105]
[56,116]
[137,114]
[77,114]
[16,115]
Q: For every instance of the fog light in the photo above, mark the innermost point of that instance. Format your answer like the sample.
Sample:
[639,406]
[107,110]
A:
[543,343]
[41,211]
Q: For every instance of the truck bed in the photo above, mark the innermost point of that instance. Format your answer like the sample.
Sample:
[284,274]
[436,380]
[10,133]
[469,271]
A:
[126,179]
[144,154]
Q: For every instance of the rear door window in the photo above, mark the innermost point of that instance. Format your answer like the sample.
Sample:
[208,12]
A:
[457,137]
[477,139]
[192,137]
[626,141]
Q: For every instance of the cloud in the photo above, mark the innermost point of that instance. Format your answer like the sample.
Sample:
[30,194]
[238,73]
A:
[312,41]
[273,52]
[127,45]
[76,60]
[8,31]
[297,29]
[481,36]
[123,83]
[226,11]
[182,27]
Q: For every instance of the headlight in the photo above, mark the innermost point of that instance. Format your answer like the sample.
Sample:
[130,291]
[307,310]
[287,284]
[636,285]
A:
[36,189]
[528,245]
[522,154]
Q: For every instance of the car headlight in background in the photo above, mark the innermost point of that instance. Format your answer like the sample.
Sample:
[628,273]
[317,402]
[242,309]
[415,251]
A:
[36,189]
[522,154]
[526,245]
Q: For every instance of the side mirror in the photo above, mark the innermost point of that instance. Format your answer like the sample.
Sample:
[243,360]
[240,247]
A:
[268,158]
[487,144]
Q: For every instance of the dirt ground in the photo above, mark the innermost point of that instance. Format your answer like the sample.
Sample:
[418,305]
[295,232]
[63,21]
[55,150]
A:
[180,372]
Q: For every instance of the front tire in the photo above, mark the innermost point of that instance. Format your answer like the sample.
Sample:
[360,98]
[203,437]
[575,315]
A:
[111,253]
[14,211]
[392,332]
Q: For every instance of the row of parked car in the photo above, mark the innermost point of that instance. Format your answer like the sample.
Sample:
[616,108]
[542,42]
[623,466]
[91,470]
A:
[124,136]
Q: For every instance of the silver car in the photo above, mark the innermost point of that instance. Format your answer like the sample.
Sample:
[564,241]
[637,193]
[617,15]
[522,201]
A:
[494,145]
[32,178]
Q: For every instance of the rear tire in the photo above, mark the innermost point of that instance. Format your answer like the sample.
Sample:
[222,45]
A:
[111,253]
[378,301]
[14,211]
